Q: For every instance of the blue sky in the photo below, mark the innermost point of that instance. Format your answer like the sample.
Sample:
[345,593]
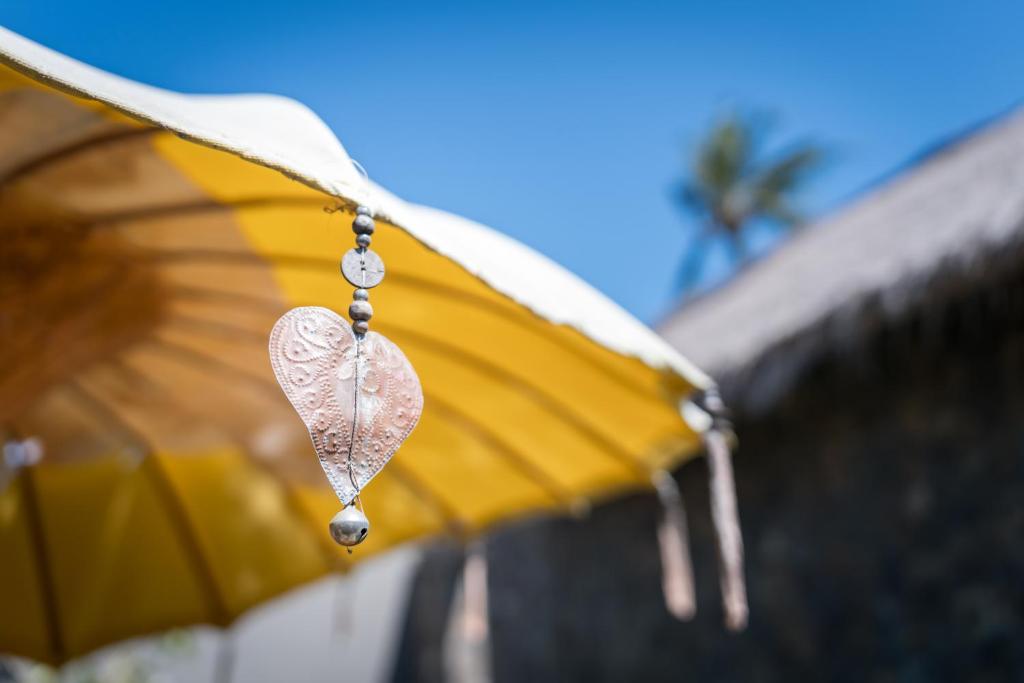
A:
[566,124]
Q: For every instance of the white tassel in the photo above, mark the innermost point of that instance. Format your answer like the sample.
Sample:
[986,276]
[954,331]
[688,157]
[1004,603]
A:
[674,547]
[727,530]
[475,622]
[467,647]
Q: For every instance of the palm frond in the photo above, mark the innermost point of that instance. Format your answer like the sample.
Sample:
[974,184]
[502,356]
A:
[784,176]
[724,157]
[732,184]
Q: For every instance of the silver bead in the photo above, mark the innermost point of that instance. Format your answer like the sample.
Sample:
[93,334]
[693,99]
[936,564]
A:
[363,240]
[360,310]
[360,327]
[350,526]
[363,211]
[360,294]
[363,225]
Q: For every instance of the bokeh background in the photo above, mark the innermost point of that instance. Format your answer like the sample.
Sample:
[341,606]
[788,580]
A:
[878,484]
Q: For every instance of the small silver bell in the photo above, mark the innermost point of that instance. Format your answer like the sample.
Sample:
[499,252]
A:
[350,526]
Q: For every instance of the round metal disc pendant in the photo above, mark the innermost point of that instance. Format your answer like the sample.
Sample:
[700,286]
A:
[362,268]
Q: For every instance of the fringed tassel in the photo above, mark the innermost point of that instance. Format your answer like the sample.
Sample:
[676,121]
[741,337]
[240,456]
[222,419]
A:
[674,548]
[725,516]
[227,656]
[475,622]
[343,614]
[467,651]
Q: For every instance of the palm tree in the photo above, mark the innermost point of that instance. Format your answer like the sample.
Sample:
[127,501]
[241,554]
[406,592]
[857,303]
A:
[734,183]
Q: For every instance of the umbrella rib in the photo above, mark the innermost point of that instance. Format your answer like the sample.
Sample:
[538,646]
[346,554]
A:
[161,480]
[557,492]
[422,491]
[248,258]
[111,220]
[190,539]
[101,409]
[268,305]
[219,328]
[549,402]
[277,308]
[297,261]
[42,557]
[184,352]
[485,367]
[36,164]
[332,558]
[457,525]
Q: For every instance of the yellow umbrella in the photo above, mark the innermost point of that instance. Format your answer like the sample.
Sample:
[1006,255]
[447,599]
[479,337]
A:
[156,475]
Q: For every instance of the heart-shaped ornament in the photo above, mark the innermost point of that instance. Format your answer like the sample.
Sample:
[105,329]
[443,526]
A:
[359,398]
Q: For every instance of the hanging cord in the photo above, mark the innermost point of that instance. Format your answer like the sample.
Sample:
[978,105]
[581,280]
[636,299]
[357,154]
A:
[363,242]
[355,416]
[674,549]
[724,512]
[363,269]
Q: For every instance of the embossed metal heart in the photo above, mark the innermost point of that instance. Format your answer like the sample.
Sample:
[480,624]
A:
[359,398]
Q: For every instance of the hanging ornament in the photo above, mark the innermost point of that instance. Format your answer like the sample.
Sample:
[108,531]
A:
[354,389]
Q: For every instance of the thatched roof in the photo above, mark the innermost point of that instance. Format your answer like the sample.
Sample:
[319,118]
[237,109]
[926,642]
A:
[951,219]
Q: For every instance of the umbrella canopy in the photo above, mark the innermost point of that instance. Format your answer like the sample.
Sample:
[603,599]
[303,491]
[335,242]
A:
[156,476]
